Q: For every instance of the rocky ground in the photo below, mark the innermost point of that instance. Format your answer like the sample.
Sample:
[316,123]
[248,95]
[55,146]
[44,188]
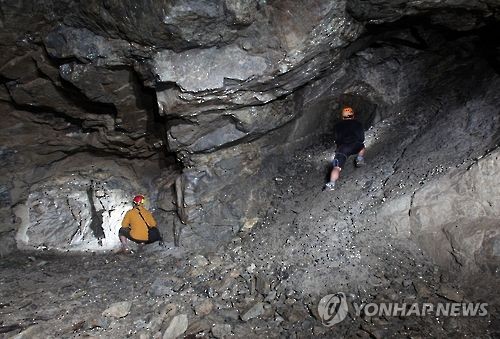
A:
[268,281]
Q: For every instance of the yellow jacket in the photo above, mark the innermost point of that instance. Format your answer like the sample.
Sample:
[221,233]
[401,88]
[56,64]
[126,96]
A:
[138,228]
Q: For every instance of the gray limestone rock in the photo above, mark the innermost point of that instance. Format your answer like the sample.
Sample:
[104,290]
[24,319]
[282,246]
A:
[230,314]
[165,286]
[459,210]
[451,293]
[30,332]
[255,311]
[66,42]
[7,242]
[165,312]
[118,310]
[204,307]
[450,324]
[80,210]
[19,68]
[221,330]
[198,327]
[241,12]
[177,327]
[233,88]
[199,261]
[101,322]
[207,69]
[41,93]
[294,313]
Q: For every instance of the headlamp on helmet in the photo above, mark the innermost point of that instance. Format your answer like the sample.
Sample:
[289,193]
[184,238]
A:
[139,199]
[347,113]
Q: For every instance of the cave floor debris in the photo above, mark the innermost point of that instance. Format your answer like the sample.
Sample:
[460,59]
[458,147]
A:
[265,283]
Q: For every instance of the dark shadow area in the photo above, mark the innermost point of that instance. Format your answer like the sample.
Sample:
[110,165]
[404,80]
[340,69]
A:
[420,32]
[96,216]
[156,125]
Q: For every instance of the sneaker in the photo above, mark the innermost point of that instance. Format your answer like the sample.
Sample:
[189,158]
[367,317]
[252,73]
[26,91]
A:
[359,162]
[330,186]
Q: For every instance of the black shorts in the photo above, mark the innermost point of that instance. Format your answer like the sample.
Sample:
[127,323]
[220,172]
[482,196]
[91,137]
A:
[125,231]
[345,151]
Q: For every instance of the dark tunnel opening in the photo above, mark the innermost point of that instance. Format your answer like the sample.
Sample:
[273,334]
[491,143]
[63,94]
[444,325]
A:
[477,48]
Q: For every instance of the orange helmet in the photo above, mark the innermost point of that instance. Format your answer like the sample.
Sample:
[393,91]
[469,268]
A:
[139,199]
[347,113]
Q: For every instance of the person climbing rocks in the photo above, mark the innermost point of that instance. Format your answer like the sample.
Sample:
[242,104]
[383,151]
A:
[349,138]
[138,225]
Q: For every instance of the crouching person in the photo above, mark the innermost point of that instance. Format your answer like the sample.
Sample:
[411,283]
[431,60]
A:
[139,226]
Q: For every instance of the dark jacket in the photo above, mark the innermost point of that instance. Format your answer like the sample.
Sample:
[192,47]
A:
[349,132]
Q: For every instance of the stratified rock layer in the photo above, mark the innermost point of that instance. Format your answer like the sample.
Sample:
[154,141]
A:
[229,88]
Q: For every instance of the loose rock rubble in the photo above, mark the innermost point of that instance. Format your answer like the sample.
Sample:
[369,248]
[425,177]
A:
[267,282]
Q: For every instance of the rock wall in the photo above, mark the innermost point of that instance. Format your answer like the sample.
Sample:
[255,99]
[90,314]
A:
[229,88]
[441,193]
[77,204]
[97,81]
[455,219]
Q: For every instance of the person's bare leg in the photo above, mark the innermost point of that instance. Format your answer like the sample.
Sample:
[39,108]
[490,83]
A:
[124,246]
[335,174]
